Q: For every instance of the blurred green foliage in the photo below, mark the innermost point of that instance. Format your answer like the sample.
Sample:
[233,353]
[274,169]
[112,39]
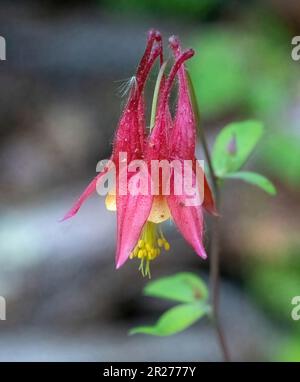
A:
[217,73]
[281,154]
[289,350]
[274,285]
[238,69]
[190,9]
[250,72]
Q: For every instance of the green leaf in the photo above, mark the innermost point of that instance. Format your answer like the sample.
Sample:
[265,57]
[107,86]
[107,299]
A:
[182,287]
[234,144]
[254,178]
[174,320]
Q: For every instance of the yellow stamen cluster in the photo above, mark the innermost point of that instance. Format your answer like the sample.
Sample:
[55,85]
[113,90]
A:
[149,246]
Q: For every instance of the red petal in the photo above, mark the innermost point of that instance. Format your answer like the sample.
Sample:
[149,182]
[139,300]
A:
[86,194]
[131,132]
[184,132]
[208,200]
[188,219]
[132,214]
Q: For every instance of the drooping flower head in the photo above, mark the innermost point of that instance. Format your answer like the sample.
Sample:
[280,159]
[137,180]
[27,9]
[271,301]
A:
[146,211]
[140,214]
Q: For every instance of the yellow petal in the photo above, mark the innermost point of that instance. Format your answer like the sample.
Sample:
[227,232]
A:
[159,211]
[110,202]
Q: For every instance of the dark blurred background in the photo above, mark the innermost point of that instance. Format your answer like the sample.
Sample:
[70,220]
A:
[59,105]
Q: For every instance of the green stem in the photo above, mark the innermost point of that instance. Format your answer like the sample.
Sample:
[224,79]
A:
[215,243]
[155,95]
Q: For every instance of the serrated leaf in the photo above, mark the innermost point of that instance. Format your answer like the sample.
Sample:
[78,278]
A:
[255,179]
[174,320]
[182,287]
[234,144]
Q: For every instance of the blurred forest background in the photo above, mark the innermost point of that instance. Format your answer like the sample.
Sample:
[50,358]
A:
[59,106]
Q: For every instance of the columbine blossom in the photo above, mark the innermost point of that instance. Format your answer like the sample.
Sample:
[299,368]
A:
[139,215]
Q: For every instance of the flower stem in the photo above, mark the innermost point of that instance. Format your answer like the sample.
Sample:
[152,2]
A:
[214,272]
[215,257]
[215,280]
[155,95]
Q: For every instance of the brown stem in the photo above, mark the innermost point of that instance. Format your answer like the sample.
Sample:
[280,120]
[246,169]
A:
[215,278]
[214,271]
[215,257]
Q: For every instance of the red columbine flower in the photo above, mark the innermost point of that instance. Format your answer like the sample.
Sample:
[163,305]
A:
[174,141]
[139,215]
